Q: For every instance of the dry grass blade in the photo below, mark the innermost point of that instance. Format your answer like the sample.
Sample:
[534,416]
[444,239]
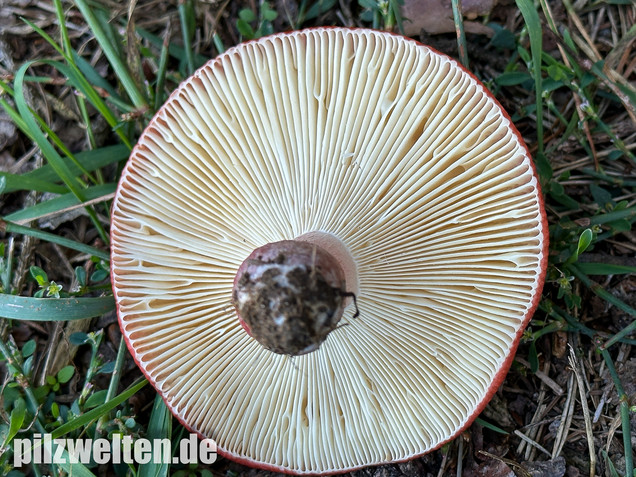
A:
[533,443]
[545,379]
[534,428]
[574,363]
[66,209]
[566,419]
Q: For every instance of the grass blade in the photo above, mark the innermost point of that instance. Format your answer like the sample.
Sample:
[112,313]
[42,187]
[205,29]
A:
[54,159]
[624,411]
[594,268]
[75,76]
[54,309]
[161,72]
[90,160]
[44,178]
[600,291]
[160,427]
[183,17]
[88,417]
[459,31]
[533,23]
[120,68]
[62,204]
[175,51]
[49,237]
[15,182]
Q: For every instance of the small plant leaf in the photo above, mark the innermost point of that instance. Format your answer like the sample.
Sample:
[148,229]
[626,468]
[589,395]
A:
[65,374]
[268,13]
[29,348]
[247,15]
[584,241]
[601,196]
[99,275]
[39,275]
[245,29]
[107,368]
[490,426]
[96,399]
[80,276]
[16,419]
[78,338]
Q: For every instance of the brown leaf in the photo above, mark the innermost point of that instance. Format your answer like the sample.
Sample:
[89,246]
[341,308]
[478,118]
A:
[436,16]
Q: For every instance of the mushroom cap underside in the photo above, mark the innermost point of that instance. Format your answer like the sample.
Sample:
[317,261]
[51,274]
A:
[398,153]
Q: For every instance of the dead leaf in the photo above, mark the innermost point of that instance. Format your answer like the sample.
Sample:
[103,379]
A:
[436,16]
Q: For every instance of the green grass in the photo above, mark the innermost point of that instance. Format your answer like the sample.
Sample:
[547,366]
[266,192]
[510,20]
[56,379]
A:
[590,201]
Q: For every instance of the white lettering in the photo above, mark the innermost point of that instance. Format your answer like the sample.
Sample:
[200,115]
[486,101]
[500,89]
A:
[101,451]
[163,451]
[43,449]
[143,451]
[47,449]
[21,452]
[188,450]
[79,450]
[37,448]
[116,450]
[58,457]
[126,448]
[207,451]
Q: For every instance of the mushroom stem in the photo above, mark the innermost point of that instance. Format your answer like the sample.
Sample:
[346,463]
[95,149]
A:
[290,295]
[334,246]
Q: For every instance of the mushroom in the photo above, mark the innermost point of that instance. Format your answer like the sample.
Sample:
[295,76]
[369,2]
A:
[368,158]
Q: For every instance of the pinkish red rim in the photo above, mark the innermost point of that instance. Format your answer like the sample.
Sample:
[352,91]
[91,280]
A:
[505,366]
